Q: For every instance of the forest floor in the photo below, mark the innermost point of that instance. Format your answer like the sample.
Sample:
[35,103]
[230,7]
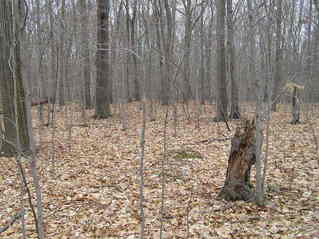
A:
[90,181]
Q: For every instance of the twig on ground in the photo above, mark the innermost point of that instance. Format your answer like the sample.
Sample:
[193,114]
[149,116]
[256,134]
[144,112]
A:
[12,220]
[214,139]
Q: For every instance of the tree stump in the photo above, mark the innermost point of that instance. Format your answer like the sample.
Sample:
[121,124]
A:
[242,156]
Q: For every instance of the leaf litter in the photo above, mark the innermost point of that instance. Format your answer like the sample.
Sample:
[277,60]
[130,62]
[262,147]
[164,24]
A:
[93,189]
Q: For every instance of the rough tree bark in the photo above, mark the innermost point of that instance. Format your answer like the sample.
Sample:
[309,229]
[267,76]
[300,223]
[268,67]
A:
[133,21]
[295,107]
[187,92]
[85,54]
[165,31]
[6,83]
[234,106]
[251,89]
[62,55]
[10,39]
[278,58]
[222,101]
[102,106]
[242,157]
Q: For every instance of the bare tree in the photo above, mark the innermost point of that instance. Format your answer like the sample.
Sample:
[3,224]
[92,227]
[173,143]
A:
[279,55]
[85,54]
[252,53]
[191,19]
[102,105]
[12,112]
[165,42]
[222,101]
[234,106]
[6,86]
[62,55]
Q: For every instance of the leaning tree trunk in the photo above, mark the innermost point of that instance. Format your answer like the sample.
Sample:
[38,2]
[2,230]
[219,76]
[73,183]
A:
[242,157]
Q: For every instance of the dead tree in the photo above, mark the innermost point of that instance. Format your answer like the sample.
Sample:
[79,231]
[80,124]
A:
[242,156]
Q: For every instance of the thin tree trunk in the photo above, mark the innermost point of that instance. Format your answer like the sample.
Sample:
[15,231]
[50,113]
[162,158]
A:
[62,55]
[252,53]
[201,92]
[137,89]
[23,143]
[234,107]
[278,53]
[222,101]
[295,106]
[187,92]
[209,45]
[85,54]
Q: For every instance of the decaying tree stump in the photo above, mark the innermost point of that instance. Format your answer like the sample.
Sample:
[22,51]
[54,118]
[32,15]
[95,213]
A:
[242,157]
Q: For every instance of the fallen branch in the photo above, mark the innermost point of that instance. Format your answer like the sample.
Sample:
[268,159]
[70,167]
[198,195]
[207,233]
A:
[12,220]
[214,139]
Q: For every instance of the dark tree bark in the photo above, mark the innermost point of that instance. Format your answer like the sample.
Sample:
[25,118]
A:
[222,101]
[85,54]
[234,106]
[133,20]
[62,55]
[295,107]
[251,80]
[102,106]
[165,31]
[187,92]
[6,82]
[279,55]
[242,157]
[11,85]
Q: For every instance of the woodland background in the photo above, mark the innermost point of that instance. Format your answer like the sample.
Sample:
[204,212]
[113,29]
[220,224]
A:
[117,117]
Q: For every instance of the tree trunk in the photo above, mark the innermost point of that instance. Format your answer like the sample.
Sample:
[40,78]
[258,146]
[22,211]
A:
[295,107]
[187,92]
[21,99]
[165,35]
[242,157]
[6,82]
[234,109]
[85,55]
[7,85]
[222,101]
[278,60]
[201,92]
[133,20]
[209,46]
[63,61]
[251,89]
[53,66]
[102,106]
[41,92]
